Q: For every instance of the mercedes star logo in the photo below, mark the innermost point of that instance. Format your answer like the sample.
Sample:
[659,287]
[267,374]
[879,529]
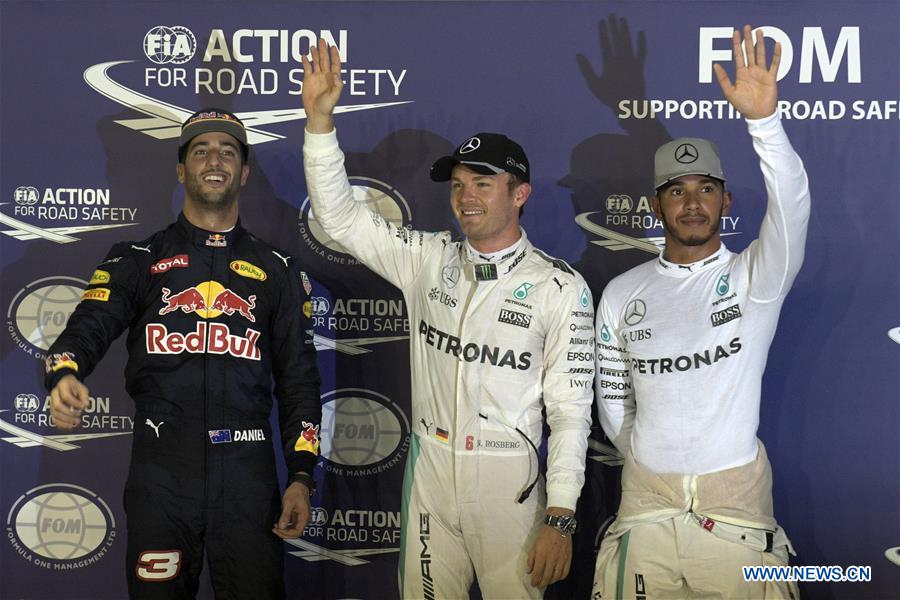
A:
[635,312]
[470,145]
[686,154]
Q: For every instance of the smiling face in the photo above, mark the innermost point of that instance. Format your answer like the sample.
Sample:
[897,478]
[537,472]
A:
[213,172]
[486,208]
[691,208]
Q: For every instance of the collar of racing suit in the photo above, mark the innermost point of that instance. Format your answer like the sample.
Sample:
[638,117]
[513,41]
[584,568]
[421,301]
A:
[505,263]
[205,239]
[678,270]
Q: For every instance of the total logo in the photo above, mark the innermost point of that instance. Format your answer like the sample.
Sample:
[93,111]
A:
[629,225]
[56,214]
[38,312]
[60,527]
[389,209]
[362,432]
[31,411]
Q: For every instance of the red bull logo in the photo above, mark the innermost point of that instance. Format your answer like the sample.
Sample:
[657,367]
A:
[309,439]
[214,338]
[209,300]
[190,300]
[228,302]
[216,240]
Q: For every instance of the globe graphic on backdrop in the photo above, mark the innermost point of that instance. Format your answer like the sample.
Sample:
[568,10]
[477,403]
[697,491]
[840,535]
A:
[61,525]
[156,54]
[169,45]
[377,200]
[42,314]
[358,431]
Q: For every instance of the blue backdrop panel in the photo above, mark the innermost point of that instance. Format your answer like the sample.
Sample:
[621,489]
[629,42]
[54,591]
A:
[93,93]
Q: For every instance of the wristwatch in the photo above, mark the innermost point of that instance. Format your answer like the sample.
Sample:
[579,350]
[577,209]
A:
[565,524]
[304,478]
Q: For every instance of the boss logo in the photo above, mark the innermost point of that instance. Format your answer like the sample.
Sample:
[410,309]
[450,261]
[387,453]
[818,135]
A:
[725,315]
[514,318]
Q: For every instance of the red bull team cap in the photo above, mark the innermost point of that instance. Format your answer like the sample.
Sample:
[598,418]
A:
[208,120]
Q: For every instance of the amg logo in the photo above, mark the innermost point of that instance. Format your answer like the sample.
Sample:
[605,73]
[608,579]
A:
[425,555]
[725,315]
[640,589]
[514,318]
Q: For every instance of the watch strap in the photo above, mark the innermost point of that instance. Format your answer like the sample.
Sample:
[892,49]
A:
[304,478]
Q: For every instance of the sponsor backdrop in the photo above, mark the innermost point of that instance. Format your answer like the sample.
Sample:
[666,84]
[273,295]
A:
[93,93]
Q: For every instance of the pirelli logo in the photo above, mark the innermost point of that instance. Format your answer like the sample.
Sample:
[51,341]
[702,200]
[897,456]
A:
[725,315]
[514,318]
[100,294]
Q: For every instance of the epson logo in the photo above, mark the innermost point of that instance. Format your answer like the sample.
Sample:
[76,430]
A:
[725,315]
[813,48]
[514,318]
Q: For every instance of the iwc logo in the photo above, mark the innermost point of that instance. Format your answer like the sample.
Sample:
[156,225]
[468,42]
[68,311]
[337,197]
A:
[60,527]
[389,209]
[363,432]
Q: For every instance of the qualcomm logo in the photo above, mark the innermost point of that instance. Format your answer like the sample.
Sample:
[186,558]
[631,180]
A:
[170,45]
[61,526]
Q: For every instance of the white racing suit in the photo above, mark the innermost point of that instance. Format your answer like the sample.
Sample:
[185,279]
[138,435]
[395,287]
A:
[681,351]
[491,345]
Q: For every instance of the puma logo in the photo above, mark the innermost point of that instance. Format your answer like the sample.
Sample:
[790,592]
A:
[284,259]
[154,427]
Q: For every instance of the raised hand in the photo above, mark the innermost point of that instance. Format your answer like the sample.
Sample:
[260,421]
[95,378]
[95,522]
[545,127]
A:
[322,87]
[755,91]
[622,74]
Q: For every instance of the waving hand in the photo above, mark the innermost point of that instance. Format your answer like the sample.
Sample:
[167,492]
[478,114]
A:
[755,91]
[322,87]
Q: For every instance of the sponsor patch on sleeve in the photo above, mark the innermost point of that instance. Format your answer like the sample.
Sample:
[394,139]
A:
[99,294]
[100,276]
[63,360]
[307,285]
[308,441]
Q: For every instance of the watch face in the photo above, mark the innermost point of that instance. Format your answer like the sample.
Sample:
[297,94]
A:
[566,524]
